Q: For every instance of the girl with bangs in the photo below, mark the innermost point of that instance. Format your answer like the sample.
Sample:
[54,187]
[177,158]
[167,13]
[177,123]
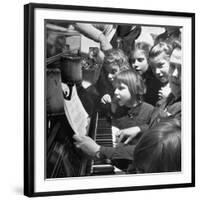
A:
[129,91]
[129,88]
[139,60]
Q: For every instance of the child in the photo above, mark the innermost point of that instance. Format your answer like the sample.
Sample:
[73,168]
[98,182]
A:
[159,56]
[129,91]
[139,61]
[129,88]
[171,105]
[115,61]
[159,149]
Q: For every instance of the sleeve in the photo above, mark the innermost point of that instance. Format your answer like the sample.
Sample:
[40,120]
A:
[89,30]
[148,110]
[120,152]
[143,127]
[121,156]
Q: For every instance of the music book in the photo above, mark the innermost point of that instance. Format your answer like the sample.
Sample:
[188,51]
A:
[78,118]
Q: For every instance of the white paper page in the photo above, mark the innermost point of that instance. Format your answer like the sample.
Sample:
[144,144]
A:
[75,112]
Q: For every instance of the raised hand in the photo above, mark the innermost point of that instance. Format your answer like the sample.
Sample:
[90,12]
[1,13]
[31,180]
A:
[106,99]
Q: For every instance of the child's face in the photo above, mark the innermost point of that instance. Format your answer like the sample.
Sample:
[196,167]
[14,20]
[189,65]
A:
[175,73]
[122,94]
[160,67]
[112,70]
[139,61]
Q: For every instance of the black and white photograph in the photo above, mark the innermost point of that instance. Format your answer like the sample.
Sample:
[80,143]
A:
[113,103]
[110,95]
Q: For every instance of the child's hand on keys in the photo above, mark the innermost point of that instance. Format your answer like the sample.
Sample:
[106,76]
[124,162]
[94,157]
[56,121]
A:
[128,134]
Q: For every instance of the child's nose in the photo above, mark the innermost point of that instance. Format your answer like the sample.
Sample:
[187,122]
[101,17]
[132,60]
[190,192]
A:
[116,92]
[158,71]
[110,76]
[134,66]
[136,62]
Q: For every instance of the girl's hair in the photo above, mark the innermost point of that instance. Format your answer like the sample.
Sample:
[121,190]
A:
[134,82]
[116,56]
[160,48]
[159,149]
[143,46]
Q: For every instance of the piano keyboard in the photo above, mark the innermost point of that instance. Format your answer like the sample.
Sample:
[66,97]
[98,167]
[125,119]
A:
[105,136]
[104,132]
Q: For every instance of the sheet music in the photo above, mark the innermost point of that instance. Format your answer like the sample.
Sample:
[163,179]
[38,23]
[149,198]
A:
[75,112]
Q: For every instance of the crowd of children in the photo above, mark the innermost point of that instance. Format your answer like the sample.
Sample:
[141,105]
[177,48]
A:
[141,91]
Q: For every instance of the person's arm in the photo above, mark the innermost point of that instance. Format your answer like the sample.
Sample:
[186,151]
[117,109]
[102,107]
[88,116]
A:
[93,33]
[86,144]
[120,156]
[92,149]
[128,134]
[120,152]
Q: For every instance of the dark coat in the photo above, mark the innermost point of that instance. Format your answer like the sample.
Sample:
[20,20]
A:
[166,108]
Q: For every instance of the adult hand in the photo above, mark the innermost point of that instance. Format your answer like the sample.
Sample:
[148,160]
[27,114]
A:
[104,43]
[128,134]
[106,99]
[86,144]
[93,33]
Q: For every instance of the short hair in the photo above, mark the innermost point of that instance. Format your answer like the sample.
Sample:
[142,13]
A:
[143,46]
[117,56]
[159,149]
[160,48]
[134,82]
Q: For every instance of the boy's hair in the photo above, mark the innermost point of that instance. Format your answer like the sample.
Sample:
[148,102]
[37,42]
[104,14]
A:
[117,56]
[134,82]
[144,46]
[159,149]
[160,48]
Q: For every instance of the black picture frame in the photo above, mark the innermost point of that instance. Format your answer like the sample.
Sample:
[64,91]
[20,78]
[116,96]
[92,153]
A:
[30,93]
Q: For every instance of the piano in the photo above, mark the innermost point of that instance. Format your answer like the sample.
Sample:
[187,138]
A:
[63,159]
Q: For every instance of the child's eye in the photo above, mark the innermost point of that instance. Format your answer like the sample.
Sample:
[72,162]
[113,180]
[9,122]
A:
[114,71]
[120,87]
[160,65]
[140,59]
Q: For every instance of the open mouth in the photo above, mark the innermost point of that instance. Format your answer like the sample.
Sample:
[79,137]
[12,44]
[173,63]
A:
[162,78]
[117,98]
[138,70]
[110,79]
